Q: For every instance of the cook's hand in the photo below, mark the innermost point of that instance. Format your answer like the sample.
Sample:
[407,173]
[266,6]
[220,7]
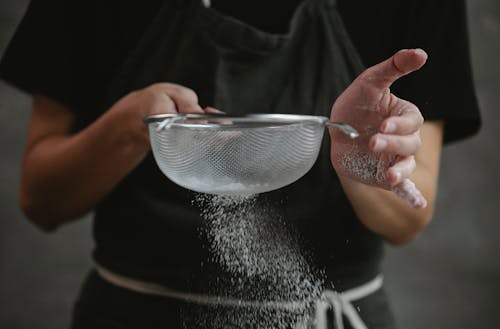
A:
[158,98]
[383,154]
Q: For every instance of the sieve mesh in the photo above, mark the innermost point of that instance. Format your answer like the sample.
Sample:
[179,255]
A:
[235,157]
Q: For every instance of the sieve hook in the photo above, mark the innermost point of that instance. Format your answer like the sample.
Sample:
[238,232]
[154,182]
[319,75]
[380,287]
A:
[167,122]
[345,128]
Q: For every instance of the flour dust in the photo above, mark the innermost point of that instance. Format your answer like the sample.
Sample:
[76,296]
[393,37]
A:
[371,169]
[260,260]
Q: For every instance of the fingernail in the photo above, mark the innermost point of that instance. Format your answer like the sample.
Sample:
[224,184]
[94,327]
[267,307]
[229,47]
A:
[210,109]
[380,144]
[389,127]
[419,51]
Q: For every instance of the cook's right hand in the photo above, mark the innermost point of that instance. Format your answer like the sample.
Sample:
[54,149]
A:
[158,98]
[384,154]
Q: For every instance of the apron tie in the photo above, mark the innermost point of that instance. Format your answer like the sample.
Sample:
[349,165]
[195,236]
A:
[340,304]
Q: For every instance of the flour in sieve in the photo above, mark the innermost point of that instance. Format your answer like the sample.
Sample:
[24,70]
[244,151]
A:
[218,185]
[262,258]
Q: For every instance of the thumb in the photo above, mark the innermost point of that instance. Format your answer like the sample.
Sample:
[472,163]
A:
[384,74]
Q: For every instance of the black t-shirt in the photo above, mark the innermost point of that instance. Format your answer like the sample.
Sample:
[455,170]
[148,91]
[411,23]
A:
[71,52]
[380,28]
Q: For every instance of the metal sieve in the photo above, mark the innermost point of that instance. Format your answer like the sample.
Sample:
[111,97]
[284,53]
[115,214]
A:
[237,155]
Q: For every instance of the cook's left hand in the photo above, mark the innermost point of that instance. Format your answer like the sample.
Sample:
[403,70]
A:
[383,154]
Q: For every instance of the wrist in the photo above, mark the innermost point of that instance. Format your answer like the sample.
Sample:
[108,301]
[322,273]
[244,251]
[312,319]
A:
[129,132]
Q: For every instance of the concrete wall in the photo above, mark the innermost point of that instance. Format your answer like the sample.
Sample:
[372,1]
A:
[449,277]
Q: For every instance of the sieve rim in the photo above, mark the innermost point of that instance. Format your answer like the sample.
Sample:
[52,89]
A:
[252,120]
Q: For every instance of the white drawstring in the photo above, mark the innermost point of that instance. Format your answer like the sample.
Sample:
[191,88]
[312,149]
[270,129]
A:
[340,303]
[206,3]
[159,290]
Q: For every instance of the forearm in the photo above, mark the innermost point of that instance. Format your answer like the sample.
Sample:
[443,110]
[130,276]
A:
[65,176]
[386,214]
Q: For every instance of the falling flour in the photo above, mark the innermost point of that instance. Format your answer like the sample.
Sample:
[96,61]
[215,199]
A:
[263,262]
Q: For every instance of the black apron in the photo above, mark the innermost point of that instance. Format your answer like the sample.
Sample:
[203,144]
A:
[237,68]
[240,69]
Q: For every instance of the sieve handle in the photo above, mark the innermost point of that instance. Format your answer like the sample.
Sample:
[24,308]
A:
[167,122]
[344,127]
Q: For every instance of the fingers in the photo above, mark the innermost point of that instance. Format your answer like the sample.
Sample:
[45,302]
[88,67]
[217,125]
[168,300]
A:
[409,193]
[400,131]
[185,99]
[402,117]
[403,62]
[213,110]
[404,145]
[407,122]
[398,178]
[401,170]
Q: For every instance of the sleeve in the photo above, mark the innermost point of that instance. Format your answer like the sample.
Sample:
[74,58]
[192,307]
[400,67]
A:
[42,56]
[444,88]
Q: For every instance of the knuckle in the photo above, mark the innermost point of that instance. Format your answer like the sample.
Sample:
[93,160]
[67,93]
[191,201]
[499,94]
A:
[418,140]
[188,94]
[151,90]
[412,164]
[420,117]
[154,87]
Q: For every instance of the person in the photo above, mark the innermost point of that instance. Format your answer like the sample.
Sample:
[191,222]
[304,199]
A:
[96,72]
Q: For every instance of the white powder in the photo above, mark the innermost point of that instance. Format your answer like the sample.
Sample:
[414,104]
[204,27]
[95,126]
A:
[407,191]
[252,243]
[371,169]
[364,166]
[217,185]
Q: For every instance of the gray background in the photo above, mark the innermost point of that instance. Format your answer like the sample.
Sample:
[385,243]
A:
[449,277]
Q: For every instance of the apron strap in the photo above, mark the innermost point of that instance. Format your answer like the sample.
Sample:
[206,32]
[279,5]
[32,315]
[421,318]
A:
[207,3]
[151,288]
[339,303]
